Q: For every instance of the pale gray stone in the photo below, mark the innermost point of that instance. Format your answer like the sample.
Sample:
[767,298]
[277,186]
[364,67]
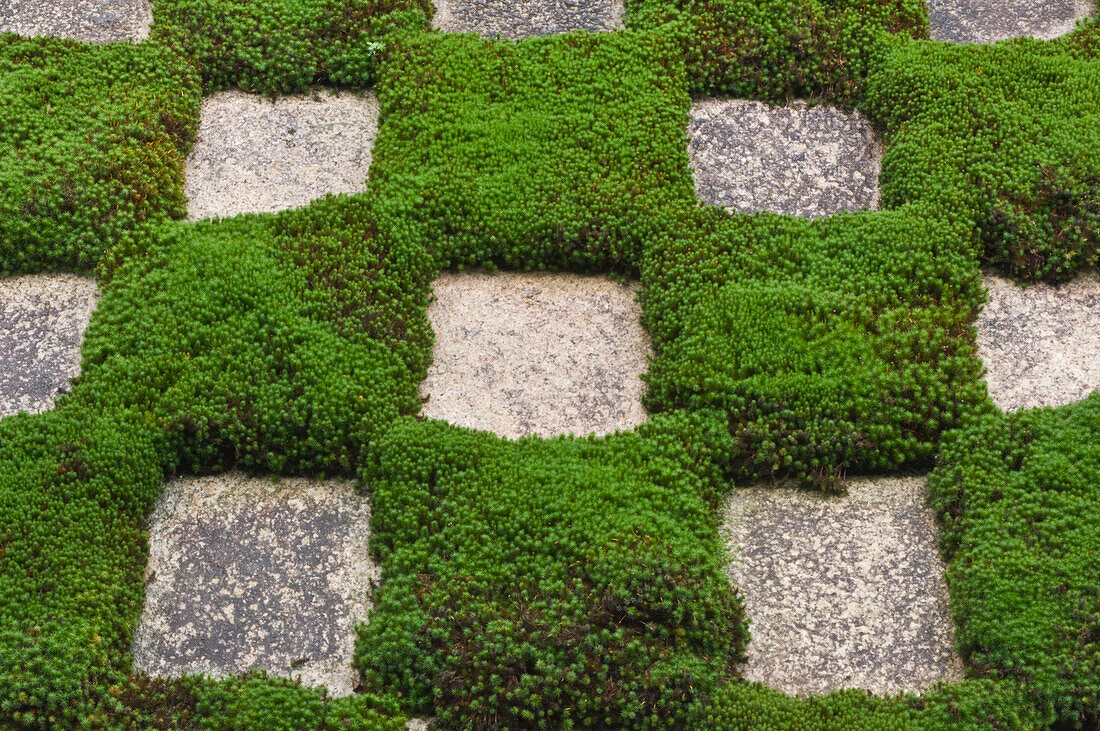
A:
[805,161]
[542,353]
[42,323]
[843,591]
[1040,344]
[245,573]
[985,21]
[255,155]
[91,21]
[518,19]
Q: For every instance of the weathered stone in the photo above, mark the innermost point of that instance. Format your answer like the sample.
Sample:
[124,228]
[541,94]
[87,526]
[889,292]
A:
[255,155]
[545,354]
[842,592]
[519,19]
[42,323]
[246,573]
[985,21]
[90,21]
[799,160]
[1040,345]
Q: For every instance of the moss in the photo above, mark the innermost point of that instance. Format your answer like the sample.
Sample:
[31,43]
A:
[554,152]
[280,46]
[1018,498]
[94,140]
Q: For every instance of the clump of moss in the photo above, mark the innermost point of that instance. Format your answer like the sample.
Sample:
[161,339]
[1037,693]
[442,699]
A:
[1003,138]
[1018,497]
[549,583]
[833,345]
[94,139]
[280,46]
[778,49]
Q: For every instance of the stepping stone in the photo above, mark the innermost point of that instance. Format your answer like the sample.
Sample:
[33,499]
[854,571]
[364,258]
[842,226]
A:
[798,160]
[985,21]
[842,592]
[42,323]
[91,21]
[519,19]
[1040,345]
[257,155]
[544,353]
[245,573]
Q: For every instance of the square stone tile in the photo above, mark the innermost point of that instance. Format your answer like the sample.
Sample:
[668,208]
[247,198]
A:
[245,573]
[1040,345]
[798,160]
[519,19]
[256,155]
[91,21]
[42,323]
[543,353]
[842,592]
[985,21]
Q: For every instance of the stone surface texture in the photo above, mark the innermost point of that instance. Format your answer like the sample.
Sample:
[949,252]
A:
[90,21]
[543,353]
[42,323]
[798,160]
[257,155]
[245,573]
[519,19]
[842,591]
[1040,344]
[985,21]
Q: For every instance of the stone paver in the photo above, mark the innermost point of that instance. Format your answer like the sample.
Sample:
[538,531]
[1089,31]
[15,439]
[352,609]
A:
[1040,344]
[842,592]
[519,19]
[42,323]
[542,353]
[245,573]
[257,155]
[985,21]
[799,160]
[91,21]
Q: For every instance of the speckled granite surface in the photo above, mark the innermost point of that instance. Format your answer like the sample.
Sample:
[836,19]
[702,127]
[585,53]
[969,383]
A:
[812,162]
[842,592]
[245,573]
[256,155]
[91,21]
[541,353]
[1040,344]
[985,21]
[42,323]
[519,19]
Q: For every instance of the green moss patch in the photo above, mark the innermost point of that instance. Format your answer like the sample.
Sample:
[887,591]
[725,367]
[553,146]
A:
[93,140]
[554,152]
[1004,138]
[550,583]
[773,50]
[1019,498]
[831,345]
[279,46]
